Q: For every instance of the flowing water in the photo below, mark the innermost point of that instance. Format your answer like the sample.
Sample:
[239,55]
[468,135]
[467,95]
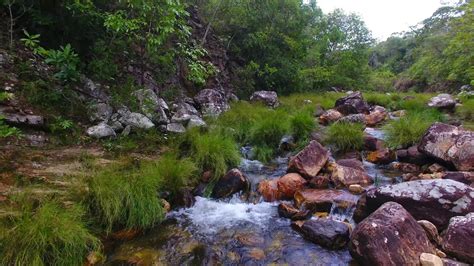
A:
[236,231]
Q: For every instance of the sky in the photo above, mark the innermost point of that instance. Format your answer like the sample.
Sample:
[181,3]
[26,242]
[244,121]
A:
[384,17]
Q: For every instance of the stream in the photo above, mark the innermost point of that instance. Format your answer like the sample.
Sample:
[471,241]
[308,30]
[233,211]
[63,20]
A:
[236,231]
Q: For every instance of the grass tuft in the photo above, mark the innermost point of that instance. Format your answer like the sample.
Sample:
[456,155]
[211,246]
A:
[466,110]
[174,173]
[302,124]
[345,136]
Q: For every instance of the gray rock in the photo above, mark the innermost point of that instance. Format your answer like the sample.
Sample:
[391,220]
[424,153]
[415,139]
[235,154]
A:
[16,118]
[100,112]
[95,90]
[442,101]
[126,131]
[211,102]
[100,131]
[196,121]
[184,112]
[114,123]
[136,120]
[151,106]
[269,98]
[175,128]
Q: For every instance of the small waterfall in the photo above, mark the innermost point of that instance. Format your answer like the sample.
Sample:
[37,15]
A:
[342,214]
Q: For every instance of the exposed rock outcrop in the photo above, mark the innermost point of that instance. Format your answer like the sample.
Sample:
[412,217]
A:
[354,103]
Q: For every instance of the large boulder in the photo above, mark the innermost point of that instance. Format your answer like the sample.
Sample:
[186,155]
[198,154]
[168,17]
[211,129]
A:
[211,102]
[434,200]
[442,101]
[330,116]
[389,236]
[354,103]
[183,113]
[349,172]
[309,161]
[321,200]
[269,190]
[100,131]
[152,106]
[289,184]
[449,144]
[324,232]
[231,183]
[458,239]
[269,98]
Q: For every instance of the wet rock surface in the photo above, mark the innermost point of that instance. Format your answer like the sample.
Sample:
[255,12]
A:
[232,182]
[434,200]
[349,172]
[321,200]
[325,232]
[386,234]
[458,239]
[310,160]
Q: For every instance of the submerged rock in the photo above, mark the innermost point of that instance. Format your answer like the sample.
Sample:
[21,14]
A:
[458,239]
[310,160]
[434,200]
[352,104]
[269,98]
[232,182]
[449,144]
[324,232]
[389,236]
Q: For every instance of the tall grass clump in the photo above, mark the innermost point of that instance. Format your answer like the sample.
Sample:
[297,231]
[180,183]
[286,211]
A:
[345,136]
[409,129]
[466,110]
[125,195]
[301,126]
[47,235]
[174,173]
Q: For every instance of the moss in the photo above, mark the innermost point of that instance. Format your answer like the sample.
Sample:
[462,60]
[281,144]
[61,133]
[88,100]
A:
[47,235]
[345,136]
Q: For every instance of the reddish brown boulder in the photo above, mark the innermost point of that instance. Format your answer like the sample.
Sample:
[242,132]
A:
[352,104]
[319,182]
[321,200]
[434,200]
[376,116]
[309,161]
[463,177]
[449,144]
[383,156]
[351,163]
[372,143]
[330,116]
[349,174]
[289,184]
[412,155]
[324,232]
[269,190]
[232,182]
[389,236]
[458,239]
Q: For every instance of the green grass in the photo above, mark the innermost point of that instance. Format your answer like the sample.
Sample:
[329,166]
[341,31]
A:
[301,125]
[47,235]
[174,173]
[409,129]
[297,101]
[466,111]
[345,136]
[125,195]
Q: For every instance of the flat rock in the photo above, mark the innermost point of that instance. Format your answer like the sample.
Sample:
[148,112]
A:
[324,232]
[389,236]
[310,160]
[346,175]
[321,200]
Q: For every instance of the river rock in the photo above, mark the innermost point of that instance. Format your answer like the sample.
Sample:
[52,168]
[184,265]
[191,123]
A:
[319,182]
[288,211]
[346,175]
[382,156]
[352,104]
[289,184]
[463,177]
[100,112]
[152,106]
[324,232]
[434,200]
[427,259]
[231,183]
[100,131]
[442,101]
[372,143]
[449,144]
[330,116]
[431,231]
[376,116]
[269,98]
[412,155]
[458,239]
[269,190]
[321,200]
[389,236]
[211,102]
[310,160]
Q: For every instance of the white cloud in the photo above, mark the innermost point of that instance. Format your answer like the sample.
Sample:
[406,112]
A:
[384,17]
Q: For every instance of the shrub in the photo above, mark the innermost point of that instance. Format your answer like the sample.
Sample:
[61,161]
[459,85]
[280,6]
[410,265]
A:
[466,111]
[49,235]
[345,136]
[409,129]
[7,131]
[302,124]
[125,195]
[174,173]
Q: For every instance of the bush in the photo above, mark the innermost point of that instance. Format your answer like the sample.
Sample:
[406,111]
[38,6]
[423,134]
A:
[49,235]
[346,136]
[302,124]
[174,173]
[125,195]
[409,129]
